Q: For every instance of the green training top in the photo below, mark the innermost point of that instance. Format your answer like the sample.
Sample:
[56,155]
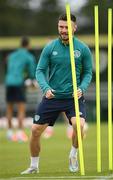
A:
[18,63]
[55,58]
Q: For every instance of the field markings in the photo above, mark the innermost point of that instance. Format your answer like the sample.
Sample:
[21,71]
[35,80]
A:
[65,177]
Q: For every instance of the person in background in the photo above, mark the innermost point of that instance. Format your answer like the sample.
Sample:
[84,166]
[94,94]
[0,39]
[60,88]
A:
[19,63]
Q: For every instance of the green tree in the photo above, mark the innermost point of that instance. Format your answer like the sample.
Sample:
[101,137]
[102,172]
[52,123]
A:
[88,11]
[47,17]
[17,18]
[14,17]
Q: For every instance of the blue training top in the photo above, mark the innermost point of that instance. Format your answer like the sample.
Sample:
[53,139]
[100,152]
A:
[18,63]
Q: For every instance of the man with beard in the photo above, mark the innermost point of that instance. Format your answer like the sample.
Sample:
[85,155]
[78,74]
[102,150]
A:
[57,88]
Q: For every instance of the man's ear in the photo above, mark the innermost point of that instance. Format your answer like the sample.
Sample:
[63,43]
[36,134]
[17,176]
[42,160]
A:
[75,28]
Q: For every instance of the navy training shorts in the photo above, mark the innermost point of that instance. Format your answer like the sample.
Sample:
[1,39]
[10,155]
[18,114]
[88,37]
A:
[15,94]
[49,110]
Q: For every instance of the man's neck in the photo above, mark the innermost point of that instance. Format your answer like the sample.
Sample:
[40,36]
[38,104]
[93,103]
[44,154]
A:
[64,42]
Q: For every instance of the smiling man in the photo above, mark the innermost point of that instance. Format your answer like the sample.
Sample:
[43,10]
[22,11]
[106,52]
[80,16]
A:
[57,88]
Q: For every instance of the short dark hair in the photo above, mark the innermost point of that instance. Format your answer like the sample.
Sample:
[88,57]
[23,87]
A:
[24,41]
[64,17]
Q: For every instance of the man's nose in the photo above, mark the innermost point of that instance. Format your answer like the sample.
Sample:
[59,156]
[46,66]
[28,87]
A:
[64,30]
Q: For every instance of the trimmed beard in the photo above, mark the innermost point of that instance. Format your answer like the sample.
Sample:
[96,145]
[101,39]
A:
[63,39]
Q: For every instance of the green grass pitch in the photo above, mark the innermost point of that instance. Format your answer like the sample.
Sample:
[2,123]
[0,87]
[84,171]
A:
[14,156]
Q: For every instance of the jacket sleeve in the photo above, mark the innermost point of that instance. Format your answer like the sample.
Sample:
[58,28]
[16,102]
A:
[42,69]
[86,69]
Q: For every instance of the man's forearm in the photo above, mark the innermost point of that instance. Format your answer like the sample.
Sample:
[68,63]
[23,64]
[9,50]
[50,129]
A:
[40,77]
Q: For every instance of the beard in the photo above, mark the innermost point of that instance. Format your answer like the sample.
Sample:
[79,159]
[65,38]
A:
[64,36]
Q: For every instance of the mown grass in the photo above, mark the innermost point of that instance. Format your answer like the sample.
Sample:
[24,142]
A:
[14,156]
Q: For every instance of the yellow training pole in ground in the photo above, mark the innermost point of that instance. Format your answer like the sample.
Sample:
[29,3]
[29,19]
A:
[110,145]
[97,89]
[75,89]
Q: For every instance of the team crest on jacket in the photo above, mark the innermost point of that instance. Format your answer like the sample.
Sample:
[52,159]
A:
[36,118]
[77,53]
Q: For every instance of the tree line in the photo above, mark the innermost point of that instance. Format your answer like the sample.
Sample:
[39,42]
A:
[18,18]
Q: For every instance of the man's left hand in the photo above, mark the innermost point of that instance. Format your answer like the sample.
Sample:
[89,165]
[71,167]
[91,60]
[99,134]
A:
[79,93]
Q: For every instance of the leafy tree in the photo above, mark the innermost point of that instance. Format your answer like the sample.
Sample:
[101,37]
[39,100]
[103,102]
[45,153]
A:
[88,11]
[14,17]
[47,17]
[17,18]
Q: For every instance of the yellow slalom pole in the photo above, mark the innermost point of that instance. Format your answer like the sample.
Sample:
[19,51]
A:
[97,89]
[75,89]
[110,139]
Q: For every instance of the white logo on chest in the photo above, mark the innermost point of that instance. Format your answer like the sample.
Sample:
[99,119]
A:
[54,53]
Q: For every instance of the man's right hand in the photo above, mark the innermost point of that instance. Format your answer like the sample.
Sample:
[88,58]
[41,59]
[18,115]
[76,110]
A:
[49,94]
